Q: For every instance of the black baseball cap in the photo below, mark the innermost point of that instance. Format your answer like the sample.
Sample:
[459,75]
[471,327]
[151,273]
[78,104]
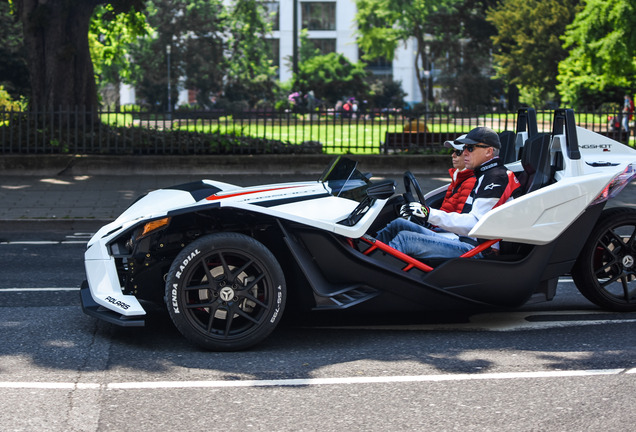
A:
[481,134]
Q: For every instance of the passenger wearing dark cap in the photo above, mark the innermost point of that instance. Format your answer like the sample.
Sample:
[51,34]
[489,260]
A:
[494,186]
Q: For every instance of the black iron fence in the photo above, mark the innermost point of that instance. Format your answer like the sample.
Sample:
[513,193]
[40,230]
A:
[94,131]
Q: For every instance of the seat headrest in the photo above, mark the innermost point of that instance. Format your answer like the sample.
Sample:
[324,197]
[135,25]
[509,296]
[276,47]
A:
[534,153]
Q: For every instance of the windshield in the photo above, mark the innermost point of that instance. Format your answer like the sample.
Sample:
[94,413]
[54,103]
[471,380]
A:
[344,180]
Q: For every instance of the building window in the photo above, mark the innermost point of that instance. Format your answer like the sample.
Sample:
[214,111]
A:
[273,13]
[274,47]
[318,15]
[378,66]
[324,46]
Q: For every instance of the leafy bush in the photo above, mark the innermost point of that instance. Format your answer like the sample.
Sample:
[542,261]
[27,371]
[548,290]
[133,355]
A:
[331,77]
[6,103]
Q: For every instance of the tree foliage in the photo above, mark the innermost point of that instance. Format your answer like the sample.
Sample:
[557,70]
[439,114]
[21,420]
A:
[56,44]
[251,75]
[384,24]
[601,65]
[331,77]
[528,46]
[109,36]
[14,74]
[385,94]
[461,53]
[193,32]
[218,51]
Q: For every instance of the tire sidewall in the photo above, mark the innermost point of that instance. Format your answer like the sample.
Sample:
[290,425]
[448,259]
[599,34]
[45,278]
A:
[186,262]
[583,270]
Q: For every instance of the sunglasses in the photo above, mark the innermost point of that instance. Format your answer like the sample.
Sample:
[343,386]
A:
[471,147]
[457,153]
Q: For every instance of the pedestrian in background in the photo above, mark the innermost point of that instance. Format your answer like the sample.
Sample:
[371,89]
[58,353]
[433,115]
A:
[628,110]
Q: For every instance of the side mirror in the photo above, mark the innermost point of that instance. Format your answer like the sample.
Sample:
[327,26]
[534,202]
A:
[381,190]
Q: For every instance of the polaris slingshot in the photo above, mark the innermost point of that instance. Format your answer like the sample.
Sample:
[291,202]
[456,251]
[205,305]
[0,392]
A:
[227,260]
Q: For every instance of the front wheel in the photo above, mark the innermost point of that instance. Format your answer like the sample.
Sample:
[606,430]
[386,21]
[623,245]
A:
[605,271]
[225,292]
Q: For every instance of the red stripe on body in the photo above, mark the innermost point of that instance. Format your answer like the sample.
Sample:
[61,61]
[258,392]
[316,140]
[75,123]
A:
[218,197]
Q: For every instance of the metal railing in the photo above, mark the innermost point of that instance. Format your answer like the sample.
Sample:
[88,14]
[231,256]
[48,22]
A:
[94,131]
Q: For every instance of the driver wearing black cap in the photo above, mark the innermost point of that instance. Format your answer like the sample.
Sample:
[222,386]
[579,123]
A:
[494,186]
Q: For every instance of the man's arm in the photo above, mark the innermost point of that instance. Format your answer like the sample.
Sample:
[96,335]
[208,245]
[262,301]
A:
[488,192]
[462,223]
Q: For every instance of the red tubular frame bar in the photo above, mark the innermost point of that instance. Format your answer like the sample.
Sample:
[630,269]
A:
[412,262]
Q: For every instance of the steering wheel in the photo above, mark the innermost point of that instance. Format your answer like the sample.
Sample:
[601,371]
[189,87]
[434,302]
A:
[410,183]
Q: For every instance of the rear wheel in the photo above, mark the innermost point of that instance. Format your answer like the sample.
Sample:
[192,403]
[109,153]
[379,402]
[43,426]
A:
[605,271]
[225,292]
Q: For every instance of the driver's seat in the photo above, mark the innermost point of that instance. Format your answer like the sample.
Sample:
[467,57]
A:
[535,159]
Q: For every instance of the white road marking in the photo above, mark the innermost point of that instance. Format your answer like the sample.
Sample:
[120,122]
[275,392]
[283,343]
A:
[38,289]
[158,385]
[30,242]
[50,385]
[42,242]
[75,238]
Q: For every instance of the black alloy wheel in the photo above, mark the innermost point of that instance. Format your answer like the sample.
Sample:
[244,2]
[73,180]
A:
[225,292]
[605,271]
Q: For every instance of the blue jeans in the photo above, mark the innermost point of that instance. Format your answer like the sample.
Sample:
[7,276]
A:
[419,242]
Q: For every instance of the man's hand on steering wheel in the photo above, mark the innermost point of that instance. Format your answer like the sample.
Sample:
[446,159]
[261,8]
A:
[413,208]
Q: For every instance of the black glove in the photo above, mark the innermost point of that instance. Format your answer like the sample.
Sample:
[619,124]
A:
[415,209]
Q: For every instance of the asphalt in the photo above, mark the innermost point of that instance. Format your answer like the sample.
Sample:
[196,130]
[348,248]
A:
[84,193]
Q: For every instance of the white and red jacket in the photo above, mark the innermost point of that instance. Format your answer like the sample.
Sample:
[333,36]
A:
[494,186]
[462,183]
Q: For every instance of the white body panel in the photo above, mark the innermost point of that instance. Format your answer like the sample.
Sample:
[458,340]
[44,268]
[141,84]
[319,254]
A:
[102,278]
[541,216]
[536,218]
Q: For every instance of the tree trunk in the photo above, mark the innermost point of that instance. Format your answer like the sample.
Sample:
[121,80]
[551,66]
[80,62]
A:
[56,41]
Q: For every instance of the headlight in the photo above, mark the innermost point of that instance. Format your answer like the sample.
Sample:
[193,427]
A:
[153,226]
[123,247]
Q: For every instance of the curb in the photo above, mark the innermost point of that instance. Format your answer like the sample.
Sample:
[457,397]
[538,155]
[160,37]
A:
[58,165]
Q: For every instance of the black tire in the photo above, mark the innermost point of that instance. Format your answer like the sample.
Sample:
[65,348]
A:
[225,292]
[605,271]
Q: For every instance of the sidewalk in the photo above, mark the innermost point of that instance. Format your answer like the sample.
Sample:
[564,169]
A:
[79,196]
[76,199]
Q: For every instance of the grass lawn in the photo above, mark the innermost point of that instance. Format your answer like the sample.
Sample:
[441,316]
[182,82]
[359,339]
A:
[338,135]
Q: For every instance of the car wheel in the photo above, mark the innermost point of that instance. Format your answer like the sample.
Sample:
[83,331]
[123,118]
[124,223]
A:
[225,292]
[605,271]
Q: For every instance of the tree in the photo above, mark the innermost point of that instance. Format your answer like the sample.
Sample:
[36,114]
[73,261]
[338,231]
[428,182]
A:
[204,44]
[386,94]
[109,36]
[528,45]
[383,24]
[601,62]
[251,76]
[194,32]
[56,40]
[331,77]
[14,74]
[461,54]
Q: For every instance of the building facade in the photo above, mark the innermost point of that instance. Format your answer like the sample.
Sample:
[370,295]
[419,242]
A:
[331,26]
